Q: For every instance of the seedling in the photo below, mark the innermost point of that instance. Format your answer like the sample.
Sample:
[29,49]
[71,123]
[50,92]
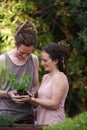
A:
[21,86]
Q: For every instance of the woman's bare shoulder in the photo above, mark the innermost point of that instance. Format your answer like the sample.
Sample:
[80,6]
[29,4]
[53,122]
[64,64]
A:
[60,75]
[44,76]
[61,79]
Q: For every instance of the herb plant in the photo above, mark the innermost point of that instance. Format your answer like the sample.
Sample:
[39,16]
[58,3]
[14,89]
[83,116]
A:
[21,86]
[6,121]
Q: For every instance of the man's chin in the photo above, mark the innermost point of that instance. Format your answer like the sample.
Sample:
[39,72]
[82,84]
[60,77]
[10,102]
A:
[22,58]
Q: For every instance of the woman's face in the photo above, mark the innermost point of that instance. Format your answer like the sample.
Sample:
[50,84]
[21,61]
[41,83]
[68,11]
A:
[24,51]
[47,62]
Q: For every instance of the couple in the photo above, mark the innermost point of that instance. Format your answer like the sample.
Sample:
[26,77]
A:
[51,94]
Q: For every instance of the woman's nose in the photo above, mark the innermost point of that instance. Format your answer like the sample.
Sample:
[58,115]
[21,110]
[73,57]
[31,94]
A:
[42,63]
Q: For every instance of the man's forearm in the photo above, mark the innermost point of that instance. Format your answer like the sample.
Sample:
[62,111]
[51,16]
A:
[3,94]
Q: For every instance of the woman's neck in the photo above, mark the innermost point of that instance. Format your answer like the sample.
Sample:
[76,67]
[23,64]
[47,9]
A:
[54,72]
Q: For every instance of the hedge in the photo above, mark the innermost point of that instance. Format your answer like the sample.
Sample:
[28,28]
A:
[79,122]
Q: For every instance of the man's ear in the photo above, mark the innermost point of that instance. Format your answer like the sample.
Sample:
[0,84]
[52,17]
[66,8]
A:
[16,45]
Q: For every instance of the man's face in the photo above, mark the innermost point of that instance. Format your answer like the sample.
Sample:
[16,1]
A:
[24,51]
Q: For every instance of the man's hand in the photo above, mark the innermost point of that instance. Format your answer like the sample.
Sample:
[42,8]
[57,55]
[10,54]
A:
[12,93]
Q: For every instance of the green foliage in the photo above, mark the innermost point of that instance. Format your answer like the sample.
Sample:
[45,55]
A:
[24,83]
[2,71]
[77,123]
[6,121]
[10,15]
[1,77]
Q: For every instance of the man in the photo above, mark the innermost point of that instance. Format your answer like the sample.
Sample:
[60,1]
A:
[20,61]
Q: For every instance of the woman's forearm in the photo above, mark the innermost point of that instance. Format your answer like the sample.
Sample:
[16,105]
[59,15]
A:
[46,103]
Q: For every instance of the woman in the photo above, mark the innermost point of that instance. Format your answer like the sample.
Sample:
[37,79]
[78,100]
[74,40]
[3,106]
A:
[54,87]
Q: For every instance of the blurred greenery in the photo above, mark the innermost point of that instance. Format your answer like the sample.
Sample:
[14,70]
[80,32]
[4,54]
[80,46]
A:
[6,121]
[79,122]
[55,20]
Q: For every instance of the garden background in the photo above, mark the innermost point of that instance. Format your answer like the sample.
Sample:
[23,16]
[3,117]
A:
[55,20]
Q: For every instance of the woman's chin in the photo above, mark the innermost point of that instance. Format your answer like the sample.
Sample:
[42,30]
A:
[46,69]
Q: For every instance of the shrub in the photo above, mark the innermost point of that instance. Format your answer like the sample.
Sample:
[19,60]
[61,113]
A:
[79,122]
[6,121]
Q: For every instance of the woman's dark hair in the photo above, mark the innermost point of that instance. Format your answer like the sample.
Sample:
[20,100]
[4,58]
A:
[26,34]
[60,52]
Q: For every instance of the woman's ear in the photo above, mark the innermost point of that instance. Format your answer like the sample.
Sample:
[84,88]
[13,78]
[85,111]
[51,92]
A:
[56,61]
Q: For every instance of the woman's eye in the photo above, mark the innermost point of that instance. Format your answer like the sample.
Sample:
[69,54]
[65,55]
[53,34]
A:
[45,60]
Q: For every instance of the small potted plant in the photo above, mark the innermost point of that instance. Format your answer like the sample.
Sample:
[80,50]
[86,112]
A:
[21,86]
